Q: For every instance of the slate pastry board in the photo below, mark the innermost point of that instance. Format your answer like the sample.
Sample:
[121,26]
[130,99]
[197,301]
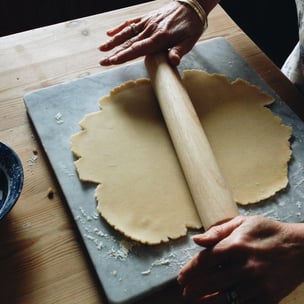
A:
[129,271]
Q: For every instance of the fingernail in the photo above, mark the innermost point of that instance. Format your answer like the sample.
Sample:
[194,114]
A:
[198,237]
[179,279]
[104,61]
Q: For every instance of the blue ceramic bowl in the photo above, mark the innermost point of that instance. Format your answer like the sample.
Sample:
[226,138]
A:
[11,179]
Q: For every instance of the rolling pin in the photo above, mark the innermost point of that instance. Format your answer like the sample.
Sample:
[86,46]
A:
[210,192]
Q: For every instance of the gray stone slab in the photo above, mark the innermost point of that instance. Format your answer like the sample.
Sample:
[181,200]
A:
[128,272]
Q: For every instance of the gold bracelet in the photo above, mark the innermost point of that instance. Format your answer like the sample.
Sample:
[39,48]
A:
[195,5]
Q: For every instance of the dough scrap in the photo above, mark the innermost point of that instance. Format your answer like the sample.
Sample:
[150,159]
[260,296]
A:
[126,150]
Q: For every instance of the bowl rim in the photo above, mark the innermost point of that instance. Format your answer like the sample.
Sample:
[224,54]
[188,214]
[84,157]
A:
[12,196]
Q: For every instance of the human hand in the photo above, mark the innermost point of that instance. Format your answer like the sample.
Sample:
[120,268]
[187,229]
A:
[247,260]
[174,28]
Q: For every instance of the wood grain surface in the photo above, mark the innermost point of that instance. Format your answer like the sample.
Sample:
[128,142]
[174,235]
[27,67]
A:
[42,259]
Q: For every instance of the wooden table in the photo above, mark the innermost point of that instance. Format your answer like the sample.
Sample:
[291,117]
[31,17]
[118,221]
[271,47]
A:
[41,256]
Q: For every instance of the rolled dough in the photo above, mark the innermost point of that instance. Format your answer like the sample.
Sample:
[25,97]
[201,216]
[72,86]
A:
[126,150]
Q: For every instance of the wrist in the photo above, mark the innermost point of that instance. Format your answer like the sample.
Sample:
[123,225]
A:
[198,9]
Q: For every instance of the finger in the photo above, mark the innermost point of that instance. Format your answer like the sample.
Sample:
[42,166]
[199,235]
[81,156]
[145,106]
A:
[142,44]
[217,233]
[177,52]
[239,294]
[117,40]
[174,57]
[220,279]
[202,264]
[128,51]
[120,34]
[122,26]
[215,298]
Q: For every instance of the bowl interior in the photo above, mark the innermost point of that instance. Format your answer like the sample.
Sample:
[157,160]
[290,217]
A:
[11,179]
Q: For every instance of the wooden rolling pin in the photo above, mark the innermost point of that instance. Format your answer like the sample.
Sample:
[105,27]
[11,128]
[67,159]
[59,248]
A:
[209,190]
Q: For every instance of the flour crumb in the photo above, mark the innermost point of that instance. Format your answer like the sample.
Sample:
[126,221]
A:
[119,254]
[146,272]
[161,262]
[99,232]
[89,237]
[86,215]
[114,273]
[157,263]
[95,216]
[99,244]
[33,160]
[123,252]
[59,118]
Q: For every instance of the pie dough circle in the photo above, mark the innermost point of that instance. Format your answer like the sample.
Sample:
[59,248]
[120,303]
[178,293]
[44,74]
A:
[125,148]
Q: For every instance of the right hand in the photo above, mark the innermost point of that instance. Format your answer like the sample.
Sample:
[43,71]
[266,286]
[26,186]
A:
[259,259]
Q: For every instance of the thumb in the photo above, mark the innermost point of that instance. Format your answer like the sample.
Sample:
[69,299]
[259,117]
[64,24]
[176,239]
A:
[174,57]
[178,51]
[217,233]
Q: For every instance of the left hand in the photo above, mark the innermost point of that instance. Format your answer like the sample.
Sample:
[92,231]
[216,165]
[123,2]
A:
[247,260]
[174,28]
